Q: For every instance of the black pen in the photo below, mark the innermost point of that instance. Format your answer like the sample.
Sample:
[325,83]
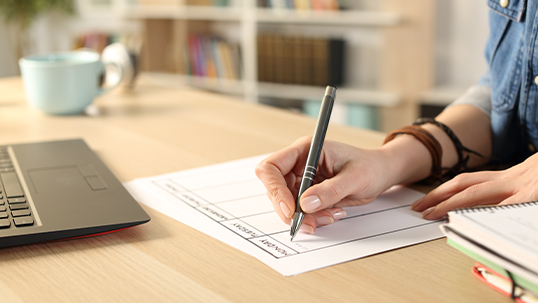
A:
[313,156]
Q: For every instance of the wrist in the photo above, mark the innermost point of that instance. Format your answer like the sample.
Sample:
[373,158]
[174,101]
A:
[407,160]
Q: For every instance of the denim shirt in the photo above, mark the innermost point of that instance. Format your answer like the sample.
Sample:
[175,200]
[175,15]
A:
[509,86]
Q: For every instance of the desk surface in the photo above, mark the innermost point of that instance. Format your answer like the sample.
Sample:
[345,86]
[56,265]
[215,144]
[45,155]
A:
[155,130]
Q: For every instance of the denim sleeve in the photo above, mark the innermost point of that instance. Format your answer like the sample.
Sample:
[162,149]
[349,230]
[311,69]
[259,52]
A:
[478,95]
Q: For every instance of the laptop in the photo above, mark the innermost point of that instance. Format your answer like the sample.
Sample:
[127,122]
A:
[59,190]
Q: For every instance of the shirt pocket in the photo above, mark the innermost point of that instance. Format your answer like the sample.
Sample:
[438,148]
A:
[515,9]
[504,52]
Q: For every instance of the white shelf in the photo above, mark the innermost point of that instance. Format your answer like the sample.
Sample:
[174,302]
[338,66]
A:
[231,87]
[264,15]
[273,90]
[346,95]
[183,12]
[441,95]
[357,18]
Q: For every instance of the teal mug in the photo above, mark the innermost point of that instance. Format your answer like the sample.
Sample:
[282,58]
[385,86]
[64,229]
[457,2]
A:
[65,83]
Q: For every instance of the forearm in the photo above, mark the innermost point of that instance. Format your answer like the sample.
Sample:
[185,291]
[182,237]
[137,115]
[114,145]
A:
[410,161]
[473,129]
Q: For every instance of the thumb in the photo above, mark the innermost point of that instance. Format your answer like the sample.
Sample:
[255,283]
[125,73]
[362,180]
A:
[327,193]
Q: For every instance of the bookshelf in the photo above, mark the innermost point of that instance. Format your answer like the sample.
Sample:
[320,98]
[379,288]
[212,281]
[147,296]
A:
[405,69]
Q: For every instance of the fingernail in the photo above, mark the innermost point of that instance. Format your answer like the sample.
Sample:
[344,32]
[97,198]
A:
[325,220]
[310,203]
[285,209]
[428,211]
[416,203]
[306,229]
[339,215]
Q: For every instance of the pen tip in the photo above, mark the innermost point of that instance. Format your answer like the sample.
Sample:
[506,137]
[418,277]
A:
[295,224]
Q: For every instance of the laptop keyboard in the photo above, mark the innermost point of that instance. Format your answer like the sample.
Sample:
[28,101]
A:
[14,209]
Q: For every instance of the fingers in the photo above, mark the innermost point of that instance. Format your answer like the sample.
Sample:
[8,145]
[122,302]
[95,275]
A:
[321,218]
[281,174]
[277,175]
[330,191]
[277,189]
[466,190]
[513,199]
[449,189]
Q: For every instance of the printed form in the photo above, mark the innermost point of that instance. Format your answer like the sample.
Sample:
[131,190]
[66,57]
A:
[229,203]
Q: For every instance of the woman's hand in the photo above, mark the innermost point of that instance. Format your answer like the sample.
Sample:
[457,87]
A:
[346,176]
[513,185]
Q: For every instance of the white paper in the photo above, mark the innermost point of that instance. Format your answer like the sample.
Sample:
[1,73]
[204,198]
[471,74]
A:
[228,202]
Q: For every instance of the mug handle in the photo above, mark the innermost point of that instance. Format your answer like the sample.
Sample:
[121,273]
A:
[113,86]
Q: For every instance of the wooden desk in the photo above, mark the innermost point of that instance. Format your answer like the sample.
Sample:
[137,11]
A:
[156,130]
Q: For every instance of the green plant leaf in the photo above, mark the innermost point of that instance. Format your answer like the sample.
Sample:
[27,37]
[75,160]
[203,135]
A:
[25,11]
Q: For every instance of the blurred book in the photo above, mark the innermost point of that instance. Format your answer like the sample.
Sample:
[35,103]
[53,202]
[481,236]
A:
[300,60]
[98,41]
[93,41]
[213,57]
[320,5]
[209,2]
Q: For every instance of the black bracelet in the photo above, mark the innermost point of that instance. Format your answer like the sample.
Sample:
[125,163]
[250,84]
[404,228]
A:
[462,160]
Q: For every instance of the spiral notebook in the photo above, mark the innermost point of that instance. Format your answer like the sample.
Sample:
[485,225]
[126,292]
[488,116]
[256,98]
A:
[504,238]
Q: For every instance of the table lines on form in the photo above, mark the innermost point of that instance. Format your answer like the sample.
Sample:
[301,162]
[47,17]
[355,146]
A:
[228,202]
[243,224]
